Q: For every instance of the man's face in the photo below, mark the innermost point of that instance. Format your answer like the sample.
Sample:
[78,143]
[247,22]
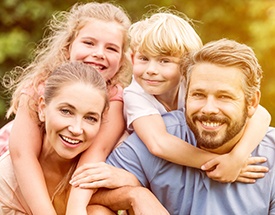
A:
[215,105]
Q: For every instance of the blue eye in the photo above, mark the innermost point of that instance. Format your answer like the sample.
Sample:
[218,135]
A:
[91,119]
[65,111]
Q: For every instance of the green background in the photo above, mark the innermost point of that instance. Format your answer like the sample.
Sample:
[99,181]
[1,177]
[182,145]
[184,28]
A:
[22,24]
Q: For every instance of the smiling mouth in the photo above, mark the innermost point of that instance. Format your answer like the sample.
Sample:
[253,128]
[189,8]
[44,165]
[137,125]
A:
[211,124]
[70,141]
[98,67]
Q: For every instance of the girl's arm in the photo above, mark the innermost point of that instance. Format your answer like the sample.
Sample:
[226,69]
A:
[25,144]
[111,130]
[254,133]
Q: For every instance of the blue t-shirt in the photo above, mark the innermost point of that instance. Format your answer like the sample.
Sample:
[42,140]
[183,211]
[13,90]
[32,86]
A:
[184,190]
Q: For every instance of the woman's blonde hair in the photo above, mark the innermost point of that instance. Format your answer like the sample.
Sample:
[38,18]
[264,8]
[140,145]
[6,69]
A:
[165,32]
[53,50]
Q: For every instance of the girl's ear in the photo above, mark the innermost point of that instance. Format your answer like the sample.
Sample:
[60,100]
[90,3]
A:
[41,108]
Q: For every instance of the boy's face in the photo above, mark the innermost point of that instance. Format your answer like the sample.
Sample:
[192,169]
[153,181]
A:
[158,76]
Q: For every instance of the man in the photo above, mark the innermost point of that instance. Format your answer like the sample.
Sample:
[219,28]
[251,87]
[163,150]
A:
[223,92]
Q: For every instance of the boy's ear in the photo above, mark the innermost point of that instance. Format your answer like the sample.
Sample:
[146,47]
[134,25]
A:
[254,103]
[41,108]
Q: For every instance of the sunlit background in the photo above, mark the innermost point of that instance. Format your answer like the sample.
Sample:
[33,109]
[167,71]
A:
[248,21]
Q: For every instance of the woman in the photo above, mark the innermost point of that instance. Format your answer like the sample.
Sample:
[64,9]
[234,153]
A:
[70,113]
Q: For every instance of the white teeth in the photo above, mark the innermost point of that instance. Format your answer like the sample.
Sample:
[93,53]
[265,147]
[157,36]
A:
[211,124]
[70,140]
[98,67]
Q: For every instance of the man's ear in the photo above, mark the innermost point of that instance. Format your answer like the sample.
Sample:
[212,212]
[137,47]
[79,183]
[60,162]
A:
[41,108]
[254,103]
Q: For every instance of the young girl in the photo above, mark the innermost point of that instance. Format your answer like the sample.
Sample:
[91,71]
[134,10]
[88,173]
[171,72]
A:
[158,43]
[96,34]
[70,113]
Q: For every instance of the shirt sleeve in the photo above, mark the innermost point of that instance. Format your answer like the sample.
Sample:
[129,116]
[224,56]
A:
[116,93]
[138,103]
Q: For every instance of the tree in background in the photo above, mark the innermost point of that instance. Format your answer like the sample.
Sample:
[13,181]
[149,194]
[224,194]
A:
[22,25]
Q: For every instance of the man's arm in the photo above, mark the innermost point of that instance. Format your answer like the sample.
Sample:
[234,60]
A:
[140,199]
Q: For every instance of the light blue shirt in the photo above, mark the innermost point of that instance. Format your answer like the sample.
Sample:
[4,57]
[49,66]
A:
[184,190]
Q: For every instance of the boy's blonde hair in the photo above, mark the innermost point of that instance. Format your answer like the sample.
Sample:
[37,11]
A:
[53,50]
[166,32]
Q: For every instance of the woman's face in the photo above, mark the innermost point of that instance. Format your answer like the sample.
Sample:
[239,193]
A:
[72,119]
[100,44]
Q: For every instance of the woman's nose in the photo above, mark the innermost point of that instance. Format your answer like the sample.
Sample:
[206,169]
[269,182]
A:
[76,128]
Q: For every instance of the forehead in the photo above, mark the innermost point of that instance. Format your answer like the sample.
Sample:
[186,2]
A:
[104,30]
[83,97]
[215,77]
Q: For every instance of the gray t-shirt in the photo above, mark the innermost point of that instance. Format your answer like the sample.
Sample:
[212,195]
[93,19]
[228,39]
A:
[186,191]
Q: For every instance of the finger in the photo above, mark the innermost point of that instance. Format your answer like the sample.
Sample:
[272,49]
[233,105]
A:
[252,175]
[89,166]
[255,168]
[210,165]
[256,160]
[245,180]
[95,185]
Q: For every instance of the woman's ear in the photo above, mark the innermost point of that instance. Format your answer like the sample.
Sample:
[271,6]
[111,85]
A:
[41,108]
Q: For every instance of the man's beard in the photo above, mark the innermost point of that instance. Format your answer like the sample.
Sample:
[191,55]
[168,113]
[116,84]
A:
[213,139]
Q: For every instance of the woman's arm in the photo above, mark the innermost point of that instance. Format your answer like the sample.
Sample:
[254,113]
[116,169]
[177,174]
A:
[25,145]
[111,130]
[254,133]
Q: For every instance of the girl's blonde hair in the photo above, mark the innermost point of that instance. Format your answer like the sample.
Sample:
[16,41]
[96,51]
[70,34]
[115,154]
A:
[53,50]
[165,32]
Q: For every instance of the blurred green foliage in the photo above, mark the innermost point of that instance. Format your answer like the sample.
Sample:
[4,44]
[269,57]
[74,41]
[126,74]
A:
[23,22]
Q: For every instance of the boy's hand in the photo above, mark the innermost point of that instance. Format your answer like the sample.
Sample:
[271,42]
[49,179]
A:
[227,169]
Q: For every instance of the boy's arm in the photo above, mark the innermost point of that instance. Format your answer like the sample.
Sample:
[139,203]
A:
[152,131]
[111,130]
[25,145]
[254,133]
[140,199]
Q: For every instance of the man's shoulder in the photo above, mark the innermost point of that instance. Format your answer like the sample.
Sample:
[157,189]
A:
[269,138]
[173,118]
[267,147]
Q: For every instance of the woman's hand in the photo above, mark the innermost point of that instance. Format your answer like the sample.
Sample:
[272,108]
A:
[97,175]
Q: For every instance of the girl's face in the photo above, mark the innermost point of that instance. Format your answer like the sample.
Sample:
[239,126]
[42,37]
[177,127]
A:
[100,44]
[158,76]
[72,119]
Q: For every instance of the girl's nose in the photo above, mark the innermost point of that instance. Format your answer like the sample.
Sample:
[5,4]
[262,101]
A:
[98,53]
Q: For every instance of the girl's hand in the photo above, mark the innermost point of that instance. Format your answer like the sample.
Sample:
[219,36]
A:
[96,175]
[226,169]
